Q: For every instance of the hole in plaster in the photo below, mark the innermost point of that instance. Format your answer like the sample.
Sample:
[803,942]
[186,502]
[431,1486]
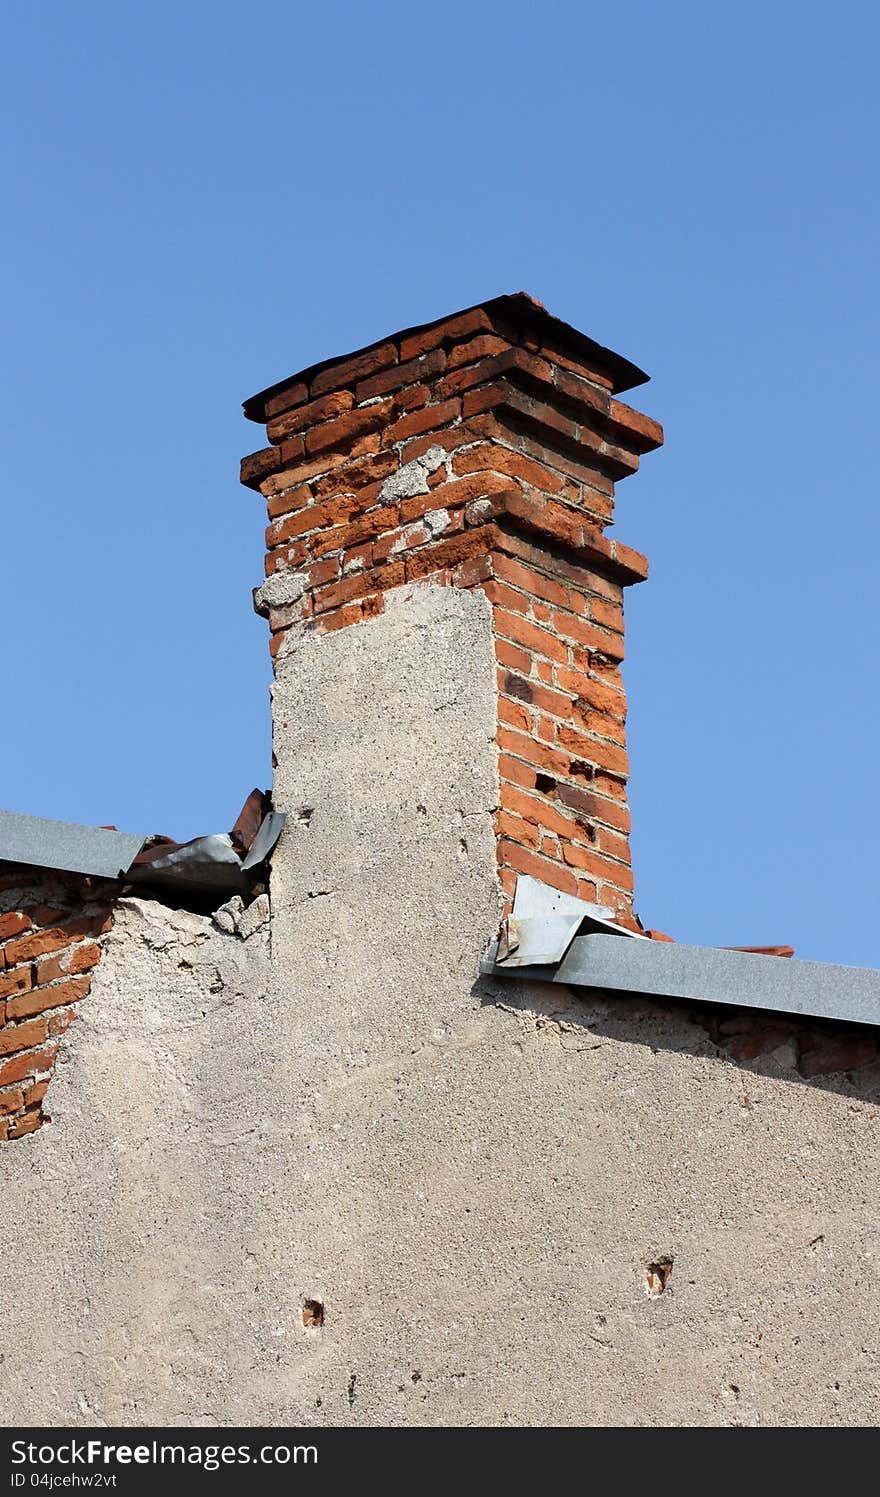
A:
[352,1394]
[304,816]
[417,1377]
[313,1312]
[657,1276]
[422,810]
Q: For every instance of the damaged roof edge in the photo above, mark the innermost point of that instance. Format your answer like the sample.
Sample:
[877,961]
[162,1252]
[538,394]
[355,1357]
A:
[587,952]
[518,306]
[205,864]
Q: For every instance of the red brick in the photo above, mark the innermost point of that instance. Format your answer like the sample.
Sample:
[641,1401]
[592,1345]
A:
[354,587]
[504,460]
[569,626]
[40,943]
[594,808]
[828,1053]
[507,824]
[476,569]
[542,697]
[258,465]
[13,924]
[412,372]
[340,618]
[77,959]
[345,429]
[546,588]
[452,329]
[539,754]
[50,914]
[427,419]
[597,865]
[369,526]
[641,430]
[538,810]
[11,1100]
[533,864]
[515,715]
[508,598]
[309,415]
[613,844]
[454,494]
[357,474]
[288,502]
[607,755]
[513,658]
[41,999]
[600,723]
[554,353]
[292,394]
[35,1094]
[30,1064]
[609,615]
[18,981]
[349,371]
[478,348]
[593,694]
[296,471]
[22,1037]
[29,1122]
[511,626]
[412,398]
[61,1020]
[357,559]
[447,552]
[516,772]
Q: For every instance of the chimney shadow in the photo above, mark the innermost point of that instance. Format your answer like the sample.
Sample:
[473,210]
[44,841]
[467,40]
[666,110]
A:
[832,1056]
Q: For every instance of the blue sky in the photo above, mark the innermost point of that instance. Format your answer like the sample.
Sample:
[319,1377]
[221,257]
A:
[201,198]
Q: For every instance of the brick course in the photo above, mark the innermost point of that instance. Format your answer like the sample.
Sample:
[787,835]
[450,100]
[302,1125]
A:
[480,452]
[50,933]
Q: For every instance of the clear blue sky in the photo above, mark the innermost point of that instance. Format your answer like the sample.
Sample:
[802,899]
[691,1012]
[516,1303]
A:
[201,198]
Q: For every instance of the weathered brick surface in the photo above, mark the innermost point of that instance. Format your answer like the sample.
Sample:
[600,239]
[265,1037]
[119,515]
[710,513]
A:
[479,452]
[49,925]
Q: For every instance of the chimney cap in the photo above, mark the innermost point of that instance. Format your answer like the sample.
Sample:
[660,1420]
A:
[518,308]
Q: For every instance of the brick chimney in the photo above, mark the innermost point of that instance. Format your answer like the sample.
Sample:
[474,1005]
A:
[478,451]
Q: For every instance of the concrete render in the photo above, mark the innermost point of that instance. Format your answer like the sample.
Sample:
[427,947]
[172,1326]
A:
[471,1178]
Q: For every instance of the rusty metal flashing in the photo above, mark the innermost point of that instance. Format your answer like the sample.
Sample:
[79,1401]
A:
[222,864]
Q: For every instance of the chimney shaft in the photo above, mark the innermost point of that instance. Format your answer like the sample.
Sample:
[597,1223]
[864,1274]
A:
[478,451]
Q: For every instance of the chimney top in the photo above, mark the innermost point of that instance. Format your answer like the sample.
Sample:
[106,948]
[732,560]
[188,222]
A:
[523,312]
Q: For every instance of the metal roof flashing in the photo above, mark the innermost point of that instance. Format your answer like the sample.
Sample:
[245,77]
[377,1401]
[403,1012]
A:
[65,846]
[206,867]
[556,938]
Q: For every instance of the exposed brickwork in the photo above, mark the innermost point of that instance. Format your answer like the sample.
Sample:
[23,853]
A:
[479,452]
[50,929]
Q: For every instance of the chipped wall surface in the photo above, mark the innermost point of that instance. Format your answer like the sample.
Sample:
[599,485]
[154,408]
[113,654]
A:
[126,1272]
[357,1185]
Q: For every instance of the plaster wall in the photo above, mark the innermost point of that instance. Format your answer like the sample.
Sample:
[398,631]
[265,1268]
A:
[470,1178]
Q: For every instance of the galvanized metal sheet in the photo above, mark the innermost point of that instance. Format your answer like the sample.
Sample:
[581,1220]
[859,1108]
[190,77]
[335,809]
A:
[270,830]
[706,974]
[65,845]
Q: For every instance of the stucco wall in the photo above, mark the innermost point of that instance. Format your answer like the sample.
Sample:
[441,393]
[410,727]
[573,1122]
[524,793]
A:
[126,1278]
[472,1178]
[489,1168]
